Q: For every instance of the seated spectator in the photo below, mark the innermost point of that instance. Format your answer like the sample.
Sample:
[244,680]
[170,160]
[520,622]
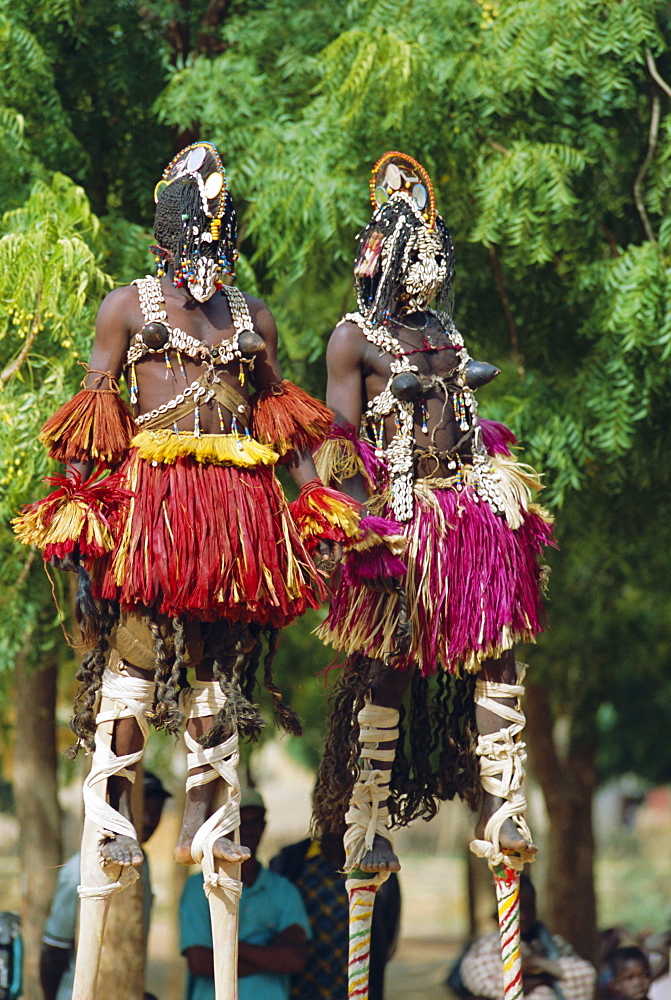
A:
[315,868]
[273,926]
[551,970]
[656,947]
[630,975]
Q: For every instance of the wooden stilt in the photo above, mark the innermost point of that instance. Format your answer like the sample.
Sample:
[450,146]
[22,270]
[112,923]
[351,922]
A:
[93,911]
[121,697]
[507,882]
[221,880]
[361,888]
[224,907]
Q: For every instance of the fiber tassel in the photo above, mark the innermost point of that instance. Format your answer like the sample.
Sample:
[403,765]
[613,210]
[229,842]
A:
[380,531]
[375,554]
[344,454]
[286,418]
[77,515]
[376,564]
[94,425]
[497,438]
[320,512]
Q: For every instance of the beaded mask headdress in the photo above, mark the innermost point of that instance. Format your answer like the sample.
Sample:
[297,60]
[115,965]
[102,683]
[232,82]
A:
[195,224]
[405,252]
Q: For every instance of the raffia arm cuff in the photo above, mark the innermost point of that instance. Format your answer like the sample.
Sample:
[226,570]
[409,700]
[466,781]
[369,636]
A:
[95,425]
[288,419]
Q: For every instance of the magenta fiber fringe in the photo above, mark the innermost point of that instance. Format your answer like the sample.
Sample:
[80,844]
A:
[497,438]
[478,587]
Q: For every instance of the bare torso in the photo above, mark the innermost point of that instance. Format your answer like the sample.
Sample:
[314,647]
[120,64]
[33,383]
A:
[359,371]
[211,323]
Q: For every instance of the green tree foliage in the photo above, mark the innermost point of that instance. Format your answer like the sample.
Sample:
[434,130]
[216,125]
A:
[50,284]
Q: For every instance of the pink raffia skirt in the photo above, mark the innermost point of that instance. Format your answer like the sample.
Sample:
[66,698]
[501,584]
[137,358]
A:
[473,582]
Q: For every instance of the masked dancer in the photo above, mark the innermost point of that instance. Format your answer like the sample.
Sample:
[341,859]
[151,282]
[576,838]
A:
[187,552]
[408,444]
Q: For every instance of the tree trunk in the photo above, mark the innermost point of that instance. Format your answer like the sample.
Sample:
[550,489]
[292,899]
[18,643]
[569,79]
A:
[36,796]
[568,782]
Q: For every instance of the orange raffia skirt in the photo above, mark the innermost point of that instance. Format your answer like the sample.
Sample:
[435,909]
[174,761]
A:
[208,541]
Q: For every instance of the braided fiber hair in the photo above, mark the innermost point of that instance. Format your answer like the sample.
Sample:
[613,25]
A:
[90,677]
[435,757]
[403,231]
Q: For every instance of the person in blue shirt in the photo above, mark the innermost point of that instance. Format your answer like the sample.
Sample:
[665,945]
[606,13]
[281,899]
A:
[273,925]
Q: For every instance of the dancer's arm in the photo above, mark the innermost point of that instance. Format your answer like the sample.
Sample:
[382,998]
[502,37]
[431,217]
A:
[345,389]
[267,372]
[110,345]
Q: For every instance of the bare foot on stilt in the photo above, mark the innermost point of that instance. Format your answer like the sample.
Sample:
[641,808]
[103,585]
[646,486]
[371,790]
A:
[511,840]
[380,858]
[224,849]
[122,850]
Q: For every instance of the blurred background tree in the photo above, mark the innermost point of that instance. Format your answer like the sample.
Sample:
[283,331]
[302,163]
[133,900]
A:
[546,130]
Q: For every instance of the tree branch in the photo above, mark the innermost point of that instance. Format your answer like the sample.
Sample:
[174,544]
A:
[610,239]
[638,183]
[654,72]
[13,368]
[510,319]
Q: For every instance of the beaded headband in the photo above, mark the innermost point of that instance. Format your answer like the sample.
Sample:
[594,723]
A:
[191,162]
[396,174]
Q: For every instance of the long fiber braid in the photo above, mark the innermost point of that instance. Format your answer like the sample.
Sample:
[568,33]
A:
[168,677]
[237,712]
[339,770]
[89,676]
[458,768]
[230,656]
[413,783]
[285,717]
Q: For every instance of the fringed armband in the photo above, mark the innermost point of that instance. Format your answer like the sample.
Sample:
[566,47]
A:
[77,515]
[497,438]
[376,552]
[288,419]
[320,512]
[95,425]
[344,454]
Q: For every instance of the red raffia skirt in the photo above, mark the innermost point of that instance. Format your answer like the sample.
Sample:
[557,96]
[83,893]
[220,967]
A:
[208,541]
[472,586]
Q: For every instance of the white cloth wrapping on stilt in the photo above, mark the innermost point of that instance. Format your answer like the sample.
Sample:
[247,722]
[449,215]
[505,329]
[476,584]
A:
[502,757]
[205,699]
[368,814]
[121,697]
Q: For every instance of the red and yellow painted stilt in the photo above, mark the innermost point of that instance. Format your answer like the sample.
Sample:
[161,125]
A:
[507,882]
[361,888]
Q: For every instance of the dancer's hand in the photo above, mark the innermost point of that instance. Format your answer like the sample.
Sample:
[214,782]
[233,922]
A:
[327,556]
[384,585]
[68,564]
